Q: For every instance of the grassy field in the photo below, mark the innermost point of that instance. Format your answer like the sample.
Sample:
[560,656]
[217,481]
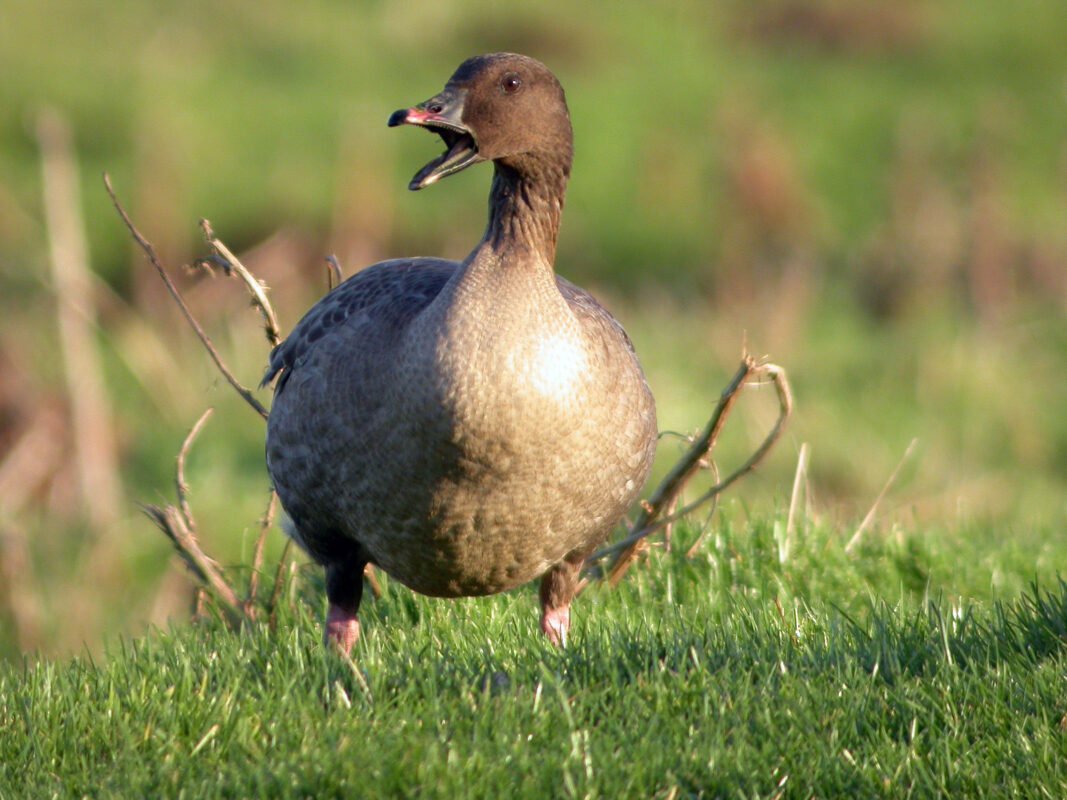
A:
[729,674]
[873,195]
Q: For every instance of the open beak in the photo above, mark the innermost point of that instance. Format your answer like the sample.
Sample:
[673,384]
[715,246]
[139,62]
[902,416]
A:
[442,115]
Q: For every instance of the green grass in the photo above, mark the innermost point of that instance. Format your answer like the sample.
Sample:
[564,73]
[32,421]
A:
[835,204]
[726,675]
[840,207]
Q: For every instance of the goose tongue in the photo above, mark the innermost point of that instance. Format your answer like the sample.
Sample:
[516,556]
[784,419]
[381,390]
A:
[442,116]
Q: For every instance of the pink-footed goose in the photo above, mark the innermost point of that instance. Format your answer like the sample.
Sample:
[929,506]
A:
[465,426]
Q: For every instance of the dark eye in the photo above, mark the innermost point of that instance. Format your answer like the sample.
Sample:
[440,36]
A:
[510,83]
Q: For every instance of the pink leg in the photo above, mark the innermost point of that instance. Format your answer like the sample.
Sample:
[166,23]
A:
[555,624]
[557,590]
[342,628]
[344,591]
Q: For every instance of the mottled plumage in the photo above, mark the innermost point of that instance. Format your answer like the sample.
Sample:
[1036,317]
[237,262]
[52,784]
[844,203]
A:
[466,426]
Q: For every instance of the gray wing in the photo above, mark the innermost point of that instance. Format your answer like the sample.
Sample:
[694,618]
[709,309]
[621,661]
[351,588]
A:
[392,292]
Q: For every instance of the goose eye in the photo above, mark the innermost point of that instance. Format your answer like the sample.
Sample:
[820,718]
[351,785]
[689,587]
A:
[510,83]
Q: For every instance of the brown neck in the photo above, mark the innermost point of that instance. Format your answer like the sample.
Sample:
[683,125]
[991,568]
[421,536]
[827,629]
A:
[525,205]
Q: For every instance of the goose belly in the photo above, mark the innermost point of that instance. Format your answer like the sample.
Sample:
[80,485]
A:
[467,477]
[528,470]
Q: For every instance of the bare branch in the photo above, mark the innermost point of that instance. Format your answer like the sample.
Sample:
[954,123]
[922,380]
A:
[179,479]
[785,410]
[150,252]
[707,520]
[651,518]
[178,524]
[674,482]
[232,265]
[171,521]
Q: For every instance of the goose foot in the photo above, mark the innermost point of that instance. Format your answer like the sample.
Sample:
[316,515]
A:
[555,624]
[341,629]
[344,591]
[557,590]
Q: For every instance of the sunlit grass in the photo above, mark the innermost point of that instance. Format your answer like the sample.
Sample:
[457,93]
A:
[821,201]
[727,674]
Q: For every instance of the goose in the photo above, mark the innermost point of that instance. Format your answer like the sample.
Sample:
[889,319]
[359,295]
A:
[465,426]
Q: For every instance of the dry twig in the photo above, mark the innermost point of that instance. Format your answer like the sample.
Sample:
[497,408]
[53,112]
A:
[265,524]
[179,476]
[178,524]
[150,252]
[334,276]
[708,517]
[256,288]
[652,516]
[372,581]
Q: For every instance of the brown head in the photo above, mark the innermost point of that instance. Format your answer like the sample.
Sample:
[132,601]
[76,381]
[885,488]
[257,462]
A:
[502,107]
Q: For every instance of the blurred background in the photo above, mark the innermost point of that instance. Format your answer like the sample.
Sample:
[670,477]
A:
[873,194]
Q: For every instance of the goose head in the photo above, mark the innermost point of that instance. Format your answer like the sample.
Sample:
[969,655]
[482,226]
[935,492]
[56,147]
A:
[503,107]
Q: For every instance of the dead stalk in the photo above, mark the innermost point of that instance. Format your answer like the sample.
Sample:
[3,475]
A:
[707,522]
[179,525]
[334,276]
[652,516]
[265,524]
[668,530]
[179,478]
[372,581]
[799,478]
[150,252]
[867,520]
[94,450]
[256,288]
[275,593]
[171,521]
